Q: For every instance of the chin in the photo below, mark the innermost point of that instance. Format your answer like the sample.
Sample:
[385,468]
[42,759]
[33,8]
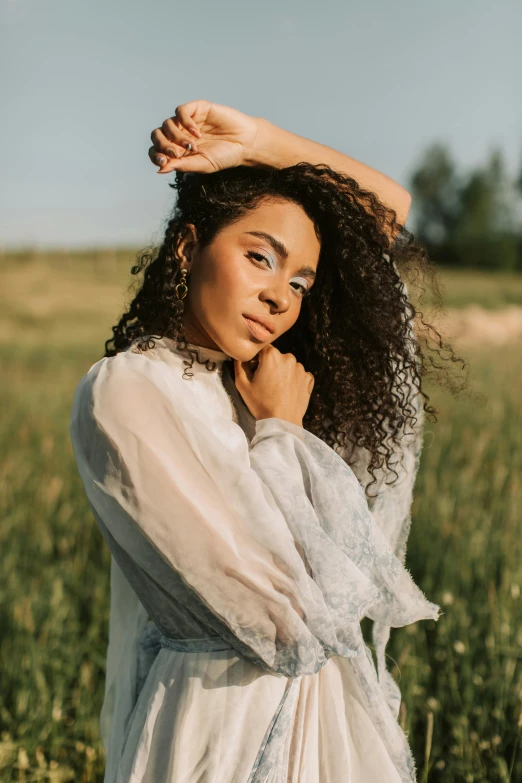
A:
[243,350]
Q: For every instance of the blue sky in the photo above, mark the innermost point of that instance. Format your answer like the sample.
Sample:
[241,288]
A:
[84,83]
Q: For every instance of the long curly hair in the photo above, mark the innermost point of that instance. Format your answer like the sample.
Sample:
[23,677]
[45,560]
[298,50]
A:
[356,329]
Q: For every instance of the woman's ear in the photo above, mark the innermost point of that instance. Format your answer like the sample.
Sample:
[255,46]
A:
[188,242]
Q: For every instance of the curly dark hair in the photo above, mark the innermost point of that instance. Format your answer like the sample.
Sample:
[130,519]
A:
[355,328]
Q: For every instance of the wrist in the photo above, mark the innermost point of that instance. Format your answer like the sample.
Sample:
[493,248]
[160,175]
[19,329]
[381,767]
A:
[264,151]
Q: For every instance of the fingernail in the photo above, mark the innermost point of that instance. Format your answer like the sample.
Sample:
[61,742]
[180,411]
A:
[161,160]
[195,132]
[188,145]
[172,152]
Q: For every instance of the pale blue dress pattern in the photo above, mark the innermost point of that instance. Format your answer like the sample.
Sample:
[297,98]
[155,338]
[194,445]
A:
[244,556]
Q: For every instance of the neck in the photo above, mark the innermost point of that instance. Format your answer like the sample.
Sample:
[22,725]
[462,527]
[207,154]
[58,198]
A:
[203,352]
[196,335]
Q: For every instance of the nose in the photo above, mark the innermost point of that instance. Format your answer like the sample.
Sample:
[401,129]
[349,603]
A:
[277,295]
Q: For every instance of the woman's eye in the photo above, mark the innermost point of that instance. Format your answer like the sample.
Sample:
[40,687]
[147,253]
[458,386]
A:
[304,289]
[258,257]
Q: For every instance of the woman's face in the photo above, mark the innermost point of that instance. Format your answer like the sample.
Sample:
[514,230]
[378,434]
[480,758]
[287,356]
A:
[242,273]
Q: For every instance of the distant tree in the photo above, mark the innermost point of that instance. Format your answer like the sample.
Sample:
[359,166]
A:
[435,192]
[467,221]
[485,234]
[518,183]
[486,200]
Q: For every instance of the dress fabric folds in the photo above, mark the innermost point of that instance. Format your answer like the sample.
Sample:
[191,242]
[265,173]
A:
[244,555]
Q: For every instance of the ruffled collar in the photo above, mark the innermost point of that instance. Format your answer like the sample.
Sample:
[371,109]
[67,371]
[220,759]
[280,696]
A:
[204,354]
[218,358]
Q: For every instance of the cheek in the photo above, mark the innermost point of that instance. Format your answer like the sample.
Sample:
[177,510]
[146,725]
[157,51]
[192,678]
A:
[235,279]
[221,288]
[231,281]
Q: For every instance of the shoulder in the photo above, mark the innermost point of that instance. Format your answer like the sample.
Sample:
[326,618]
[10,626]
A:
[117,385]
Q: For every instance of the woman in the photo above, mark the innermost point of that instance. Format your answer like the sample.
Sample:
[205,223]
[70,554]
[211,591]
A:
[235,443]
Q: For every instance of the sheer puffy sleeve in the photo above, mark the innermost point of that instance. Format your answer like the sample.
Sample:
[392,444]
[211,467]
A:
[268,544]
[391,504]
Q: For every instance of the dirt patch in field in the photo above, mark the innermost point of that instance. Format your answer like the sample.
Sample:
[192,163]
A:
[476,325]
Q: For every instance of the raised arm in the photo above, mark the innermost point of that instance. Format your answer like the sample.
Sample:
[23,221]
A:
[280,148]
[219,137]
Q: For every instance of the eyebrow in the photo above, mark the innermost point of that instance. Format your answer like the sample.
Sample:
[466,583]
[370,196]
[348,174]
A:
[280,248]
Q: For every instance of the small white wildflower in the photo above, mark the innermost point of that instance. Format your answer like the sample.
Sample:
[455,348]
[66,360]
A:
[23,759]
[447,598]
[56,712]
[515,591]
[459,647]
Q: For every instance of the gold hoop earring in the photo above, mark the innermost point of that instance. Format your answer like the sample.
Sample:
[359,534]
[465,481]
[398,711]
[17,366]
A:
[182,288]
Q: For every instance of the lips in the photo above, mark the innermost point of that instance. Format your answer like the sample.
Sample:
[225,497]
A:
[267,323]
[256,329]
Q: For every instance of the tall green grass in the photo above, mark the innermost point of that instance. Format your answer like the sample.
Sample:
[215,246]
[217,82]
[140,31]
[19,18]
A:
[461,678]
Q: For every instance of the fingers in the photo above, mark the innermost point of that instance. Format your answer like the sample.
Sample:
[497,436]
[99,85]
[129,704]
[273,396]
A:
[174,132]
[187,116]
[309,375]
[266,351]
[158,158]
[166,146]
[178,138]
[197,163]
[162,160]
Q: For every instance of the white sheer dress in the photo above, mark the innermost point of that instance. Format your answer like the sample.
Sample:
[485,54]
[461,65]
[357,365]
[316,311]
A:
[243,556]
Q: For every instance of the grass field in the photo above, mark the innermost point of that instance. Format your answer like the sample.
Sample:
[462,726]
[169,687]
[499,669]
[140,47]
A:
[461,678]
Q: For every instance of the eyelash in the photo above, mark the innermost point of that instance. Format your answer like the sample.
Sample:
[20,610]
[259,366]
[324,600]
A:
[305,291]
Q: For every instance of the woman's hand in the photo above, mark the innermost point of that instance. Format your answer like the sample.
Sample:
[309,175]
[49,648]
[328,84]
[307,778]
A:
[221,138]
[280,387]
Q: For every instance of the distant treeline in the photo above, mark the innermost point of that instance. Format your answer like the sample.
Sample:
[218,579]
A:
[468,220]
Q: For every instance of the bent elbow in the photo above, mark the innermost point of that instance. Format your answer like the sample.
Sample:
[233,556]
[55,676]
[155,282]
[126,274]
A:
[403,206]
